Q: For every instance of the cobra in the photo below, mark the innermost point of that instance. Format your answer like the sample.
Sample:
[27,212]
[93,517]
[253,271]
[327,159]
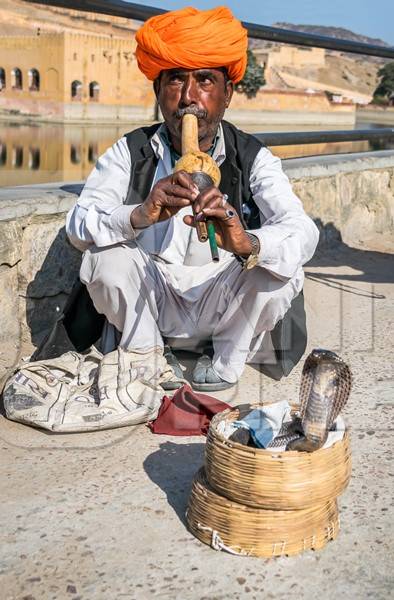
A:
[326,382]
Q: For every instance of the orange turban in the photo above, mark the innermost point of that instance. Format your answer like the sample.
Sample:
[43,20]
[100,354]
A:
[192,39]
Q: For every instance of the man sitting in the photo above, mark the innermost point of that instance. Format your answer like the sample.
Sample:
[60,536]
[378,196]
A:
[143,265]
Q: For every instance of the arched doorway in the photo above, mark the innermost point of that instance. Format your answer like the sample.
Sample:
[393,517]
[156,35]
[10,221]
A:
[94,91]
[92,152]
[3,154]
[16,79]
[17,157]
[75,154]
[34,80]
[76,90]
[34,158]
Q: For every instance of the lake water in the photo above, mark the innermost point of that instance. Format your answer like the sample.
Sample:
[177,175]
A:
[44,153]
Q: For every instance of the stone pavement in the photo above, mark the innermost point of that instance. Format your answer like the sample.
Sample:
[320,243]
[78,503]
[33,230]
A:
[101,515]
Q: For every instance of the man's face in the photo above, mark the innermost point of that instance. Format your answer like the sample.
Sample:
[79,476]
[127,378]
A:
[203,92]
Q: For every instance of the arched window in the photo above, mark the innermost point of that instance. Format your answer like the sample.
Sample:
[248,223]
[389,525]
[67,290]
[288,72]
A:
[2,79]
[17,157]
[92,153]
[16,79]
[75,154]
[76,90]
[3,154]
[34,80]
[94,91]
[34,158]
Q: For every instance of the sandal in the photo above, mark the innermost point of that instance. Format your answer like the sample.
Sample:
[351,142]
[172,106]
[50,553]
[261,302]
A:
[178,380]
[204,377]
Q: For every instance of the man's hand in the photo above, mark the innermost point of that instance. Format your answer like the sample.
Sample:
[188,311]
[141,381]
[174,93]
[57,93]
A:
[166,198]
[230,234]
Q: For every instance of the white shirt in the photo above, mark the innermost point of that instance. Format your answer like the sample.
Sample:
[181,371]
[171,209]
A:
[288,237]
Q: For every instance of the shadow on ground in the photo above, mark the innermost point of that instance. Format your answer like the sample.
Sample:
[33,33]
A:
[369,266]
[172,468]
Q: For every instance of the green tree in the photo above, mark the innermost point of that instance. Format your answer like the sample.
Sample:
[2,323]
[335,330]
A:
[386,85]
[253,79]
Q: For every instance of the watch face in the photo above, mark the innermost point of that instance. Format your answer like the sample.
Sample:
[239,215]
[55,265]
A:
[251,261]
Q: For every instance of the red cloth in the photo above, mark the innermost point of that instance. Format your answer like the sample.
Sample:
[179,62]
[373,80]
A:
[187,413]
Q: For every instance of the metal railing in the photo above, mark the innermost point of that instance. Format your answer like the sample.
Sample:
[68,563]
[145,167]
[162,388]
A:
[287,138]
[119,8]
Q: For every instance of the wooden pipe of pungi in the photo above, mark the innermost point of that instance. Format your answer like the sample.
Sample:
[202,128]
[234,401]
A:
[204,172]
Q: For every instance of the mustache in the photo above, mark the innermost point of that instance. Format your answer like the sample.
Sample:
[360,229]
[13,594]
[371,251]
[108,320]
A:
[191,110]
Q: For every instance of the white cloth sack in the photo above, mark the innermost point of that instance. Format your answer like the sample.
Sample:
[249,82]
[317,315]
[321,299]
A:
[89,391]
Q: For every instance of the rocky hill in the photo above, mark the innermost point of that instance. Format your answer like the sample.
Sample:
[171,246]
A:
[23,18]
[336,32]
[342,71]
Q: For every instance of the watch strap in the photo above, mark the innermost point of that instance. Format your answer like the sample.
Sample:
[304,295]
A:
[255,243]
[251,260]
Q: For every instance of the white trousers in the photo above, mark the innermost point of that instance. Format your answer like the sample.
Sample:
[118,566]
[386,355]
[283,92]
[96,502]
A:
[146,299]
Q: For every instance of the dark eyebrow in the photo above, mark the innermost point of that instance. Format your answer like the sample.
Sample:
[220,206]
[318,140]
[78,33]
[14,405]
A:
[183,72]
[206,73]
[173,72]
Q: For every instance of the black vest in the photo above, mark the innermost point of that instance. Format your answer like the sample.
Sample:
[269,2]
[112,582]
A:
[80,325]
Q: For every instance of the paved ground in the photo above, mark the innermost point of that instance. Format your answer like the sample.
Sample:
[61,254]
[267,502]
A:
[101,515]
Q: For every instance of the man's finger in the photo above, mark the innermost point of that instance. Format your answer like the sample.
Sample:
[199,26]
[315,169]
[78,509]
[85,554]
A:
[189,220]
[177,190]
[222,214]
[207,197]
[172,201]
[215,202]
[184,179]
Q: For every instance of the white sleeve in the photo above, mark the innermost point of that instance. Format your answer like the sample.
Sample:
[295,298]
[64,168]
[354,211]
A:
[288,237]
[100,216]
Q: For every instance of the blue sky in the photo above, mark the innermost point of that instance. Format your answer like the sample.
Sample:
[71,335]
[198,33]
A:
[374,18]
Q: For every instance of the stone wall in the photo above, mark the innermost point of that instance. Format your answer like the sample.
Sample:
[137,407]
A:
[352,194]
[37,268]
[349,196]
[296,57]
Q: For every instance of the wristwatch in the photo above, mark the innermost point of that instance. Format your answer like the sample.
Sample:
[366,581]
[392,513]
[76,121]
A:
[253,258]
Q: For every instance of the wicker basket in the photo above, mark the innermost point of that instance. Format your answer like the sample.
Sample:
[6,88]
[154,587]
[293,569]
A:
[238,529]
[275,480]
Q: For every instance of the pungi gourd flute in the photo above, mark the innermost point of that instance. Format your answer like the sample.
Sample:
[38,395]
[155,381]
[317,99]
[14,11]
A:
[204,172]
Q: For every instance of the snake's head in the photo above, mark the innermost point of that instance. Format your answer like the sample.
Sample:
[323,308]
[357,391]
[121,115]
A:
[320,355]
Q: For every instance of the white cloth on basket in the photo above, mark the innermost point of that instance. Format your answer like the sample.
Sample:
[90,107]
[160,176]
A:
[271,419]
